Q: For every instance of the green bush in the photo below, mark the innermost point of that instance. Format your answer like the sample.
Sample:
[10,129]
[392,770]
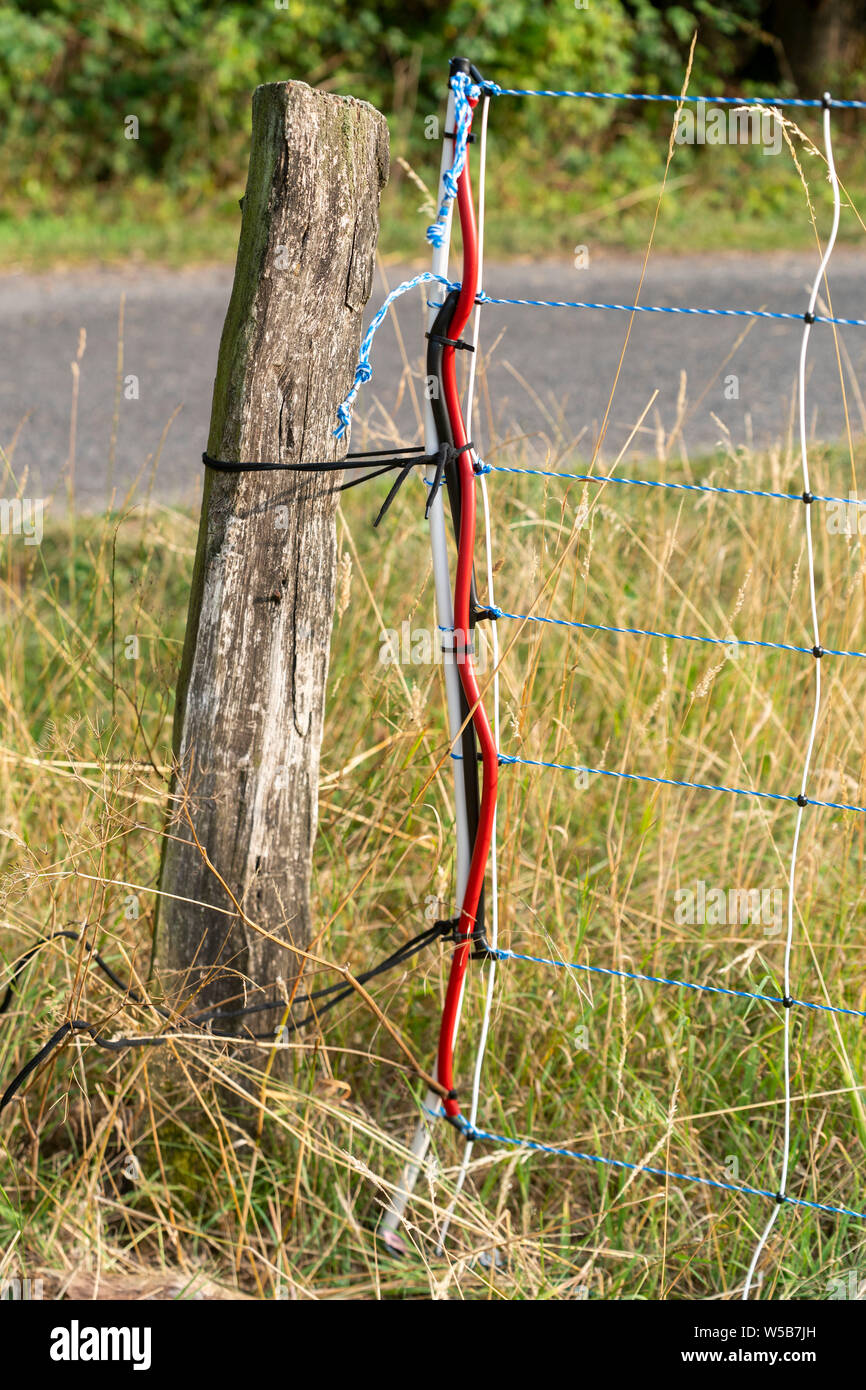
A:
[71,73]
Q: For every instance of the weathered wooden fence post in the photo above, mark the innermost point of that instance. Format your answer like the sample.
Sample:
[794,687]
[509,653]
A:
[250,697]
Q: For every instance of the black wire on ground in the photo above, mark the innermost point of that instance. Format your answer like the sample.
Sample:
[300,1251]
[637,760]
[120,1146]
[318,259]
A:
[335,994]
[24,960]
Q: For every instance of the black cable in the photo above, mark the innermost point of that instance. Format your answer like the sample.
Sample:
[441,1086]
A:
[394,457]
[337,993]
[468,741]
[404,952]
[70,936]
[404,459]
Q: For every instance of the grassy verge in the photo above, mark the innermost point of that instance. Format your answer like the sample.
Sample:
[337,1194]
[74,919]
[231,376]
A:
[128,1169]
[541,202]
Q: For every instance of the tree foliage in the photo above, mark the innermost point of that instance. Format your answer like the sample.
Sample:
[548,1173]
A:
[71,72]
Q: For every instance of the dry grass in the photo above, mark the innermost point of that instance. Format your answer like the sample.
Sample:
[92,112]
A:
[133,1167]
[137,1171]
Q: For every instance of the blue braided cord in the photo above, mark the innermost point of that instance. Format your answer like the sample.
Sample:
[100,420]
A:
[682,984]
[463,88]
[668,309]
[363,371]
[671,782]
[679,487]
[474,1134]
[492,89]
[664,309]
[675,636]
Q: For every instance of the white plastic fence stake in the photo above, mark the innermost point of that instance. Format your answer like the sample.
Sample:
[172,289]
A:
[445,615]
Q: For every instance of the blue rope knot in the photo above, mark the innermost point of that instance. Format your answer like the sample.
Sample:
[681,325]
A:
[363,373]
[344,415]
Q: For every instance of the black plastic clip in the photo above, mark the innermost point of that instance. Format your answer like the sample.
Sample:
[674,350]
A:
[802,800]
[787,1001]
[481,948]
[444,454]
[454,932]
[463,65]
[450,342]
[447,926]
[449,135]
[808,317]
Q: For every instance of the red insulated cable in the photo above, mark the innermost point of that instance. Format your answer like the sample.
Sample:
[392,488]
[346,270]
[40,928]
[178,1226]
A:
[463,638]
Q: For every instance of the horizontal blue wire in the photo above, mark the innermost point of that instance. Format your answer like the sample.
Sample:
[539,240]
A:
[681,984]
[674,636]
[492,89]
[474,1134]
[669,309]
[677,487]
[671,782]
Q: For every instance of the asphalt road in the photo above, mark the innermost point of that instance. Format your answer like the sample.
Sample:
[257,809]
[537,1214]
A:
[549,373]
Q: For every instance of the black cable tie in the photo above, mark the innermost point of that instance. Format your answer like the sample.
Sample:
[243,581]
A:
[385,458]
[802,800]
[808,317]
[449,135]
[395,488]
[807,498]
[448,926]
[482,613]
[444,455]
[818,652]
[450,342]
[452,1095]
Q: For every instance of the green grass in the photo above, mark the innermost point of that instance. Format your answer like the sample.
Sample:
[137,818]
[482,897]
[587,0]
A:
[634,1071]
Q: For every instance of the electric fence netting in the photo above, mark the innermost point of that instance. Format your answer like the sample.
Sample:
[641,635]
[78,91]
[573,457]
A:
[476,742]
[464,493]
